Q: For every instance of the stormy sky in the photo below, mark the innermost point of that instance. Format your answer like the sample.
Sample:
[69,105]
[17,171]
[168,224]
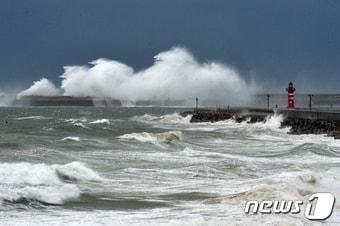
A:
[269,41]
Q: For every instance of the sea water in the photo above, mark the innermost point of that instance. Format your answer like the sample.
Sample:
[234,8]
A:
[150,166]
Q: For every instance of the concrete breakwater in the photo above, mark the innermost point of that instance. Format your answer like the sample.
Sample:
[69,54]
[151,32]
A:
[89,102]
[65,101]
[300,121]
[239,114]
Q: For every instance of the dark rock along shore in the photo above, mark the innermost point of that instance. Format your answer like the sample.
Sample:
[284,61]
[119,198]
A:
[298,125]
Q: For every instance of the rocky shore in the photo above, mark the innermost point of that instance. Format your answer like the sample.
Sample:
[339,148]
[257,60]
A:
[308,126]
[298,125]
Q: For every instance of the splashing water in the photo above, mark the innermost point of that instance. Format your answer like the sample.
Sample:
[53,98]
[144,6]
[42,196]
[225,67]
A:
[175,75]
[155,138]
[43,87]
[41,182]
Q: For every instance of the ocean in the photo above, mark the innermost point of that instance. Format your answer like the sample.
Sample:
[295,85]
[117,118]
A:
[150,166]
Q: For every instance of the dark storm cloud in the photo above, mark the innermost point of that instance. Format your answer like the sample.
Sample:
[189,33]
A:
[270,40]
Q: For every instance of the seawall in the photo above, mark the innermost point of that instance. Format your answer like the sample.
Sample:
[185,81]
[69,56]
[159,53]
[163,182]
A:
[89,101]
[312,114]
[301,121]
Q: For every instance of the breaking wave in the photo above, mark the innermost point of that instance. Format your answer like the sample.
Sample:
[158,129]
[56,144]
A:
[154,138]
[290,186]
[175,75]
[34,117]
[78,122]
[81,125]
[101,121]
[75,120]
[71,139]
[272,122]
[43,183]
[43,87]
[174,118]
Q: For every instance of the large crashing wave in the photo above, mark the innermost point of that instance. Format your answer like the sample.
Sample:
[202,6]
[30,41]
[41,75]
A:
[43,183]
[43,87]
[175,75]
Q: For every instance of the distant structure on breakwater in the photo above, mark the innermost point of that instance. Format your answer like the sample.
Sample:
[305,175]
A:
[319,101]
[270,100]
[89,102]
[64,101]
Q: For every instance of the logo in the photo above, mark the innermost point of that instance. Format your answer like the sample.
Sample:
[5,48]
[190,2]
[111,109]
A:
[319,206]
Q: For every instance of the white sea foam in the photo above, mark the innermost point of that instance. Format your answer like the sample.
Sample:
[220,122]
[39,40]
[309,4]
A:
[291,185]
[81,125]
[33,117]
[71,139]
[101,121]
[271,123]
[155,138]
[174,118]
[78,171]
[274,121]
[78,122]
[152,218]
[75,120]
[42,182]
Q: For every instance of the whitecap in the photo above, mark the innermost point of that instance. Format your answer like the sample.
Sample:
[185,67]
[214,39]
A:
[101,121]
[75,120]
[71,139]
[174,118]
[33,117]
[155,138]
[43,183]
[81,125]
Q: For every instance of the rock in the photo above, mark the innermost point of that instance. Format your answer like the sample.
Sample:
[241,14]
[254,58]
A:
[298,125]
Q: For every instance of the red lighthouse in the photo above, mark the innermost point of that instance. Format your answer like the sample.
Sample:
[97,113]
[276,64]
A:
[290,91]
